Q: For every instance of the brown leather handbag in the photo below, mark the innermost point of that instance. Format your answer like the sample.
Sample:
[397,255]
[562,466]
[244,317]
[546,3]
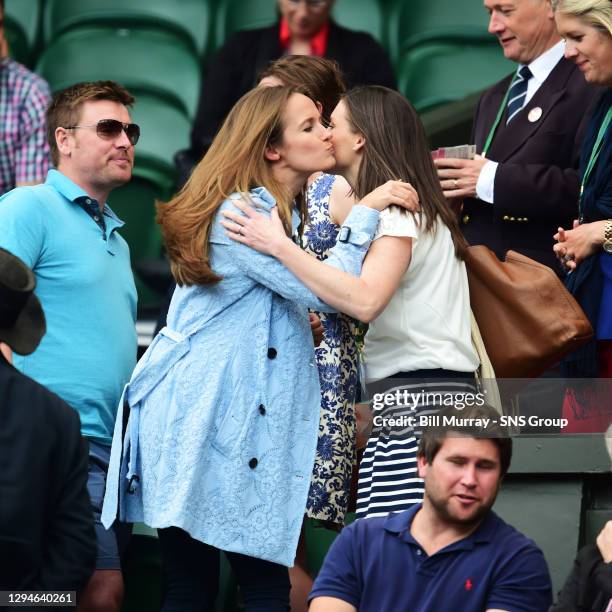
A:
[527,318]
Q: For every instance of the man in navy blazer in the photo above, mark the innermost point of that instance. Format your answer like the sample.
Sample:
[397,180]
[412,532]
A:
[524,184]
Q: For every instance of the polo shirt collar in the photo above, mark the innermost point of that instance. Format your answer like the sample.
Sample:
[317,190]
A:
[399,525]
[73,193]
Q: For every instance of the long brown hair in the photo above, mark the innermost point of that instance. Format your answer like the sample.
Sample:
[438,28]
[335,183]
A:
[235,162]
[396,148]
[317,77]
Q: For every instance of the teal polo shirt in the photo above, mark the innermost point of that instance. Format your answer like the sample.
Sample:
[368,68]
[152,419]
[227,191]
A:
[85,285]
[377,566]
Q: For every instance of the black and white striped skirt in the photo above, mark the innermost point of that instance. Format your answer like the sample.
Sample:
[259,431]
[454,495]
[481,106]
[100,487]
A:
[388,477]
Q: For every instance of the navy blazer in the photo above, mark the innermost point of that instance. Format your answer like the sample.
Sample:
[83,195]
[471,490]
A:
[536,183]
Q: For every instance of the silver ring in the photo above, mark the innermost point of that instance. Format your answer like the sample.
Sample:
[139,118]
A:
[455,183]
[240,231]
[568,258]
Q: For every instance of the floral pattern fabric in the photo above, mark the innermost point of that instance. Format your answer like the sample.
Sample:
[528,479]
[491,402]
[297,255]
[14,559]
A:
[336,357]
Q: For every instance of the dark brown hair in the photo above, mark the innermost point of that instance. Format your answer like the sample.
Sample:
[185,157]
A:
[318,78]
[396,148]
[449,418]
[65,108]
[235,162]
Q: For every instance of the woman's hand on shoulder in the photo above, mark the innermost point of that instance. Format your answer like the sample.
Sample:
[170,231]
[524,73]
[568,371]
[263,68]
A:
[393,192]
[262,233]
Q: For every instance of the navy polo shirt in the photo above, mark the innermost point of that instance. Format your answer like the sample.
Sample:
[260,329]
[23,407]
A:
[377,566]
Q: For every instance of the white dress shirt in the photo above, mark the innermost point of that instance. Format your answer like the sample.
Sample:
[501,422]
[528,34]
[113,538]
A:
[540,68]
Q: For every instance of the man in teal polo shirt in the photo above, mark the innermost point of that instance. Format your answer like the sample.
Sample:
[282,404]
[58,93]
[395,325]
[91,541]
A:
[67,234]
[449,553]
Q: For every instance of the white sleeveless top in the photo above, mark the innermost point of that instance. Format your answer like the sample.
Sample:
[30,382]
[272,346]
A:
[426,325]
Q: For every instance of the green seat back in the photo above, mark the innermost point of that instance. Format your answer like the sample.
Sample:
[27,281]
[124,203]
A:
[360,15]
[440,72]
[187,18]
[23,15]
[234,15]
[134,203]
[18,46]
[414,22]
[148,61]
[164,130]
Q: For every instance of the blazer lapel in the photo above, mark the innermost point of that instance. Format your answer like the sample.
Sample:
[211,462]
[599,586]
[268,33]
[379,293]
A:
[489,113]
[510,138]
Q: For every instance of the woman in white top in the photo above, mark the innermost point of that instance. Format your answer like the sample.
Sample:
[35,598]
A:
[412,289]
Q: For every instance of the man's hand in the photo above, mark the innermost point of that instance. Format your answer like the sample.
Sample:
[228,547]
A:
[458,177]
[575,245]
[316,327]
[604,542]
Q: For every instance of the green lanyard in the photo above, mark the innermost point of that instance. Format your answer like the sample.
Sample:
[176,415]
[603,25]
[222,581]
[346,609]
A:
[593,159]
[500,112]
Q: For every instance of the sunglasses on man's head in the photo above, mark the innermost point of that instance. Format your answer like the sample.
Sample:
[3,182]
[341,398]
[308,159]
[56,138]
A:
[111,128]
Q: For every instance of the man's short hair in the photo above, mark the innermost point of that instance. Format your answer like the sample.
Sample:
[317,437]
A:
[467,422]
[65,108]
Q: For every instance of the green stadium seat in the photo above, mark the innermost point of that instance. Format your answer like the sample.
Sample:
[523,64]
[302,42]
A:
[412,23]
[164,131]
[360,15]
[145,61]
[18,46]
[22,19]
[186,18]
[436,73]
[134,203]
[234,15]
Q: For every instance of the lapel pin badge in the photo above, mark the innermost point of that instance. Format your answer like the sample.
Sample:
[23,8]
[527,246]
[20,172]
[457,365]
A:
[534,114]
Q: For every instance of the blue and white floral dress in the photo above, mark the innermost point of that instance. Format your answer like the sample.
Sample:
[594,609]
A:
[337,358]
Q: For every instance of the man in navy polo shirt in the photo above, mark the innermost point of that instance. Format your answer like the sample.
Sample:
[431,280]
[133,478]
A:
[449,553]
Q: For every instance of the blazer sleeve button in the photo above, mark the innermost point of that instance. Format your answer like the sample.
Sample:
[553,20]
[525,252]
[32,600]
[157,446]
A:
[272,353]
[262,409]
[253,463]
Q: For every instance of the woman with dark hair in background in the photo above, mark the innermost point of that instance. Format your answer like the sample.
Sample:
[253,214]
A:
[586,249]
[413,286]
[329,202]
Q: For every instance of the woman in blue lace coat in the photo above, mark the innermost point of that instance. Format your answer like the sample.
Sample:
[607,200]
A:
[224,405]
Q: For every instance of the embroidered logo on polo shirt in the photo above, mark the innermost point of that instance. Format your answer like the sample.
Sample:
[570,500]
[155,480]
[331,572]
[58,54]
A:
[468,585]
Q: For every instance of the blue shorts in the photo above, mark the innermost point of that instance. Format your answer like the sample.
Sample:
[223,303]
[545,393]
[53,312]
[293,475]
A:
[112,542]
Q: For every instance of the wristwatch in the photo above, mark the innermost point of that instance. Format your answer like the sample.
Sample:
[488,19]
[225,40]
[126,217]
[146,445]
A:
[607,245]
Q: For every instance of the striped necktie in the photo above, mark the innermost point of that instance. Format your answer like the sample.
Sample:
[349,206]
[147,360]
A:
[518,92]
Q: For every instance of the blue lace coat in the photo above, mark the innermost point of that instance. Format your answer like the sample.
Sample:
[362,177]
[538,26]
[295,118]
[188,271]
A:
[224,405]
